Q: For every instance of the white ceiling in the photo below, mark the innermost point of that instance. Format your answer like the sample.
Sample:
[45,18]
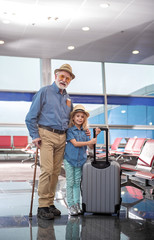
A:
[35,31]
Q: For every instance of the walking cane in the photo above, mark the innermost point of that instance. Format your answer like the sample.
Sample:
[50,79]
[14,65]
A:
[34,176]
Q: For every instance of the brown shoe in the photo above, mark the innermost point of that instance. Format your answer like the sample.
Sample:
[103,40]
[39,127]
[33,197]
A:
[44,213]
[54,210]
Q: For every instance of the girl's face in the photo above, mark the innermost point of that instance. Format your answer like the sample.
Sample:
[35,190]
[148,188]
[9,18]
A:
[79,119]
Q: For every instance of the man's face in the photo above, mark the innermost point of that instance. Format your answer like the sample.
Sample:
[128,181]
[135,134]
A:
[62,79]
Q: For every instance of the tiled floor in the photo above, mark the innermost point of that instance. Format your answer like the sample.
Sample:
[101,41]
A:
[136,221]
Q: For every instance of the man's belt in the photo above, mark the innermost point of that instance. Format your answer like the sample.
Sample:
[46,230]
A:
[53,130]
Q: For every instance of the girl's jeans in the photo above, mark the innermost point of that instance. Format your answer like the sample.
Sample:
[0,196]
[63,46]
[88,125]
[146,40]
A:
[73,178]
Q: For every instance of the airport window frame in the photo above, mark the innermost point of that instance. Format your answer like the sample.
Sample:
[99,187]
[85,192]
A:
[105,99]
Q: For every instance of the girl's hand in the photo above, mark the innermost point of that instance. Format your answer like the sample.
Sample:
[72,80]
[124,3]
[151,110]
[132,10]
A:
[97,131]
[93,141]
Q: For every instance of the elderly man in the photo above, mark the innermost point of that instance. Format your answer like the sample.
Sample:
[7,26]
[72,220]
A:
[47,122]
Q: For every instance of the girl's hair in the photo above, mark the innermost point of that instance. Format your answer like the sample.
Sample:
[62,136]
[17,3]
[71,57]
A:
[85,123]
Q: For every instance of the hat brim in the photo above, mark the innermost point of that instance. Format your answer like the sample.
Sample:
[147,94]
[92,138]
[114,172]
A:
[79,110]
[63,69]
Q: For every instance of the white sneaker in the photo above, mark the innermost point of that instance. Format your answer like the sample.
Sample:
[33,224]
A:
[72,211]
[79,210]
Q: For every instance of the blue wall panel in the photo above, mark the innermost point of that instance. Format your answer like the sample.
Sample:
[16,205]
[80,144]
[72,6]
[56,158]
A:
[131,111]
[89,99]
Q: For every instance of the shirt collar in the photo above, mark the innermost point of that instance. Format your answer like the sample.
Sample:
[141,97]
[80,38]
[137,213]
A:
[57,89]
[75,128]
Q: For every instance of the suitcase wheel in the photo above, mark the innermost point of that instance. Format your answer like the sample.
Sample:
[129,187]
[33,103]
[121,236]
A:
[83,207]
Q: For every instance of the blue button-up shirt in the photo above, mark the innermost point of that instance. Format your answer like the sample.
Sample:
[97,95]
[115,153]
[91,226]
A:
[49,108]
[76,156]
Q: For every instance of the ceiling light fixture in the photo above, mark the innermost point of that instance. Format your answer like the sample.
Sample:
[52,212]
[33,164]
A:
[85,28]
[135,52]
[1,42]
[104,5]
[56,18]
[70,47]
[53,18]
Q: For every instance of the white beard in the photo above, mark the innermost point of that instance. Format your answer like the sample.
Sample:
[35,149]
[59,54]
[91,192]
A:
[61,86]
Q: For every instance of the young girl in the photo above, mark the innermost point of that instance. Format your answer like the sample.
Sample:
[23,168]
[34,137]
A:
[75,156]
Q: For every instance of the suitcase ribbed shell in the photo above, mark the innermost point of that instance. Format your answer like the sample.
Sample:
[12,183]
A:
[100,188]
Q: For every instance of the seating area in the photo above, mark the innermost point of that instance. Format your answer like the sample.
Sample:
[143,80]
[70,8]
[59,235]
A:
[30,149]
[5,142]
[141,176]
[137,164]
[131,150]
[12,144]
[113,147]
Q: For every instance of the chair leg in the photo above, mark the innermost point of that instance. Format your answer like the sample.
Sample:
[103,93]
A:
[38,164]
[129,182]
[27,159]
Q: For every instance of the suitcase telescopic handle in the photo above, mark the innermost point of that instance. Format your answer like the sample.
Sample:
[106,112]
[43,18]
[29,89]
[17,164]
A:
[106,136]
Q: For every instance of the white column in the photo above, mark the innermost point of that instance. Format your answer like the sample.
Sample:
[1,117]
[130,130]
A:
[45,68]
[105,101]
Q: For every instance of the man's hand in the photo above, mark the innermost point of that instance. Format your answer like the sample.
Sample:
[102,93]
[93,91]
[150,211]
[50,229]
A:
[37,142]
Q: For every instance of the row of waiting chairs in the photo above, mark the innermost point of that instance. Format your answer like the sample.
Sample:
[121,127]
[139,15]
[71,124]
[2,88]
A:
[141,175]
[132,148]
[11,143]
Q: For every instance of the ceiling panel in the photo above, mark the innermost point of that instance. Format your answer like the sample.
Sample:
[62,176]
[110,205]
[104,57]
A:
[45,28]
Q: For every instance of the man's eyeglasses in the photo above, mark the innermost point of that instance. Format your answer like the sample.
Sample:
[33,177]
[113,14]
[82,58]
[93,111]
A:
[62,77]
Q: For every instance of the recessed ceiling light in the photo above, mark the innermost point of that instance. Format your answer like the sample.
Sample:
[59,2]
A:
[1,42]
[104,5]
[70,47]
[135,52]
[56,18]
[123,111]
[53,18]
[85,28]
[150,123]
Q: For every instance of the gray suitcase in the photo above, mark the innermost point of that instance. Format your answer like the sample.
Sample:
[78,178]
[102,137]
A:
[100,185]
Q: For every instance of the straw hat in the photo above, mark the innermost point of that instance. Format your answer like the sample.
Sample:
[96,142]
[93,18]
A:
[67,68]
[79,108]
